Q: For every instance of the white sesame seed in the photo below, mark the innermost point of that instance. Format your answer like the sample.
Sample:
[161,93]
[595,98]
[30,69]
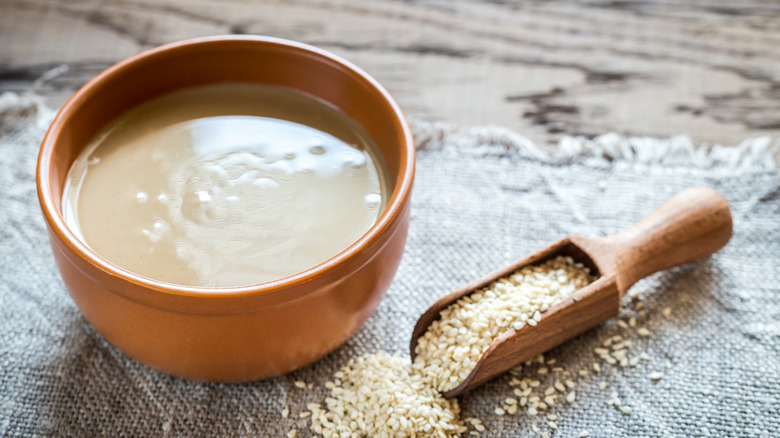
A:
[584,434]
[300,384]
[640,305]
[292,433]
[498,411]
[285,413]
[641,331]
[632,322]
[570,397]
[656,376]
[625,410]
[602,385]
[667,312]
[552,425]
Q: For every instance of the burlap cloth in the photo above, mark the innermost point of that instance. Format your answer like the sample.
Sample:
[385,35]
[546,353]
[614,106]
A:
[482,198]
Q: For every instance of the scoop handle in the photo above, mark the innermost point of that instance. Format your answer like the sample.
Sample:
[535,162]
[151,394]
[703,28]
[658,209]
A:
[690,226]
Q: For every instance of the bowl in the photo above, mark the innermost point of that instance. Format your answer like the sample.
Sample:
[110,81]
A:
[240,333]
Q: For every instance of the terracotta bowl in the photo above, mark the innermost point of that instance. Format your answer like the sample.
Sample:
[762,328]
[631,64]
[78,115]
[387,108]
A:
[242,333]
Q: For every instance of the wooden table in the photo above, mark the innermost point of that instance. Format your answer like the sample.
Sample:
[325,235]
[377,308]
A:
[709,69]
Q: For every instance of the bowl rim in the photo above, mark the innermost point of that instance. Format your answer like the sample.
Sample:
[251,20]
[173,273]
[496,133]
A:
[394,208]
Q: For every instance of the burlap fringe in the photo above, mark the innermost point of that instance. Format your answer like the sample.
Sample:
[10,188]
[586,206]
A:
[677,152]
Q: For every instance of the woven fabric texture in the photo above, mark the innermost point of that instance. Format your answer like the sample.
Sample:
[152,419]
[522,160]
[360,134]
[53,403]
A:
[483,197]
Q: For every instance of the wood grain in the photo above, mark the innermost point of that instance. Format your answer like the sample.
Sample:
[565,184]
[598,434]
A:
[710,69]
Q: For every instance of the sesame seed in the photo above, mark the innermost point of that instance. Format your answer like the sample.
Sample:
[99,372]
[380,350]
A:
[300,384]
[641,331]
[656,376]
[552,425]
[667,312]
[625,410]
[292,434]
[498,411]
[570,397]
[584,434]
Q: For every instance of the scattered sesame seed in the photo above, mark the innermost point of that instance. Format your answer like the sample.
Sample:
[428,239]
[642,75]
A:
[292,434]
[644,356]
[552,425]
[570,384]
[285,413]
[584,434]
[667,312]
[656,376]
[641,331]
[625,410]
[602,385]
[632,322]
[640,305]
[570,397]
[300,384]
[552,417]
[498,411]
[596,367]
[622,324]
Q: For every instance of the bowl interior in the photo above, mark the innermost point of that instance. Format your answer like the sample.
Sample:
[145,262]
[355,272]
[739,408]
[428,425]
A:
[213,60]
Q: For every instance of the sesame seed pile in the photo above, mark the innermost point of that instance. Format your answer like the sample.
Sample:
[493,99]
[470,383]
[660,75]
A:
[453,344]
[380,395]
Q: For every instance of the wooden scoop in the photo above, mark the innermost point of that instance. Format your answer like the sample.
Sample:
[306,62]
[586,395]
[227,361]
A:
[690,226]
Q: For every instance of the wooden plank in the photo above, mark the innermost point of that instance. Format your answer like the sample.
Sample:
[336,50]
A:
[707,69]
